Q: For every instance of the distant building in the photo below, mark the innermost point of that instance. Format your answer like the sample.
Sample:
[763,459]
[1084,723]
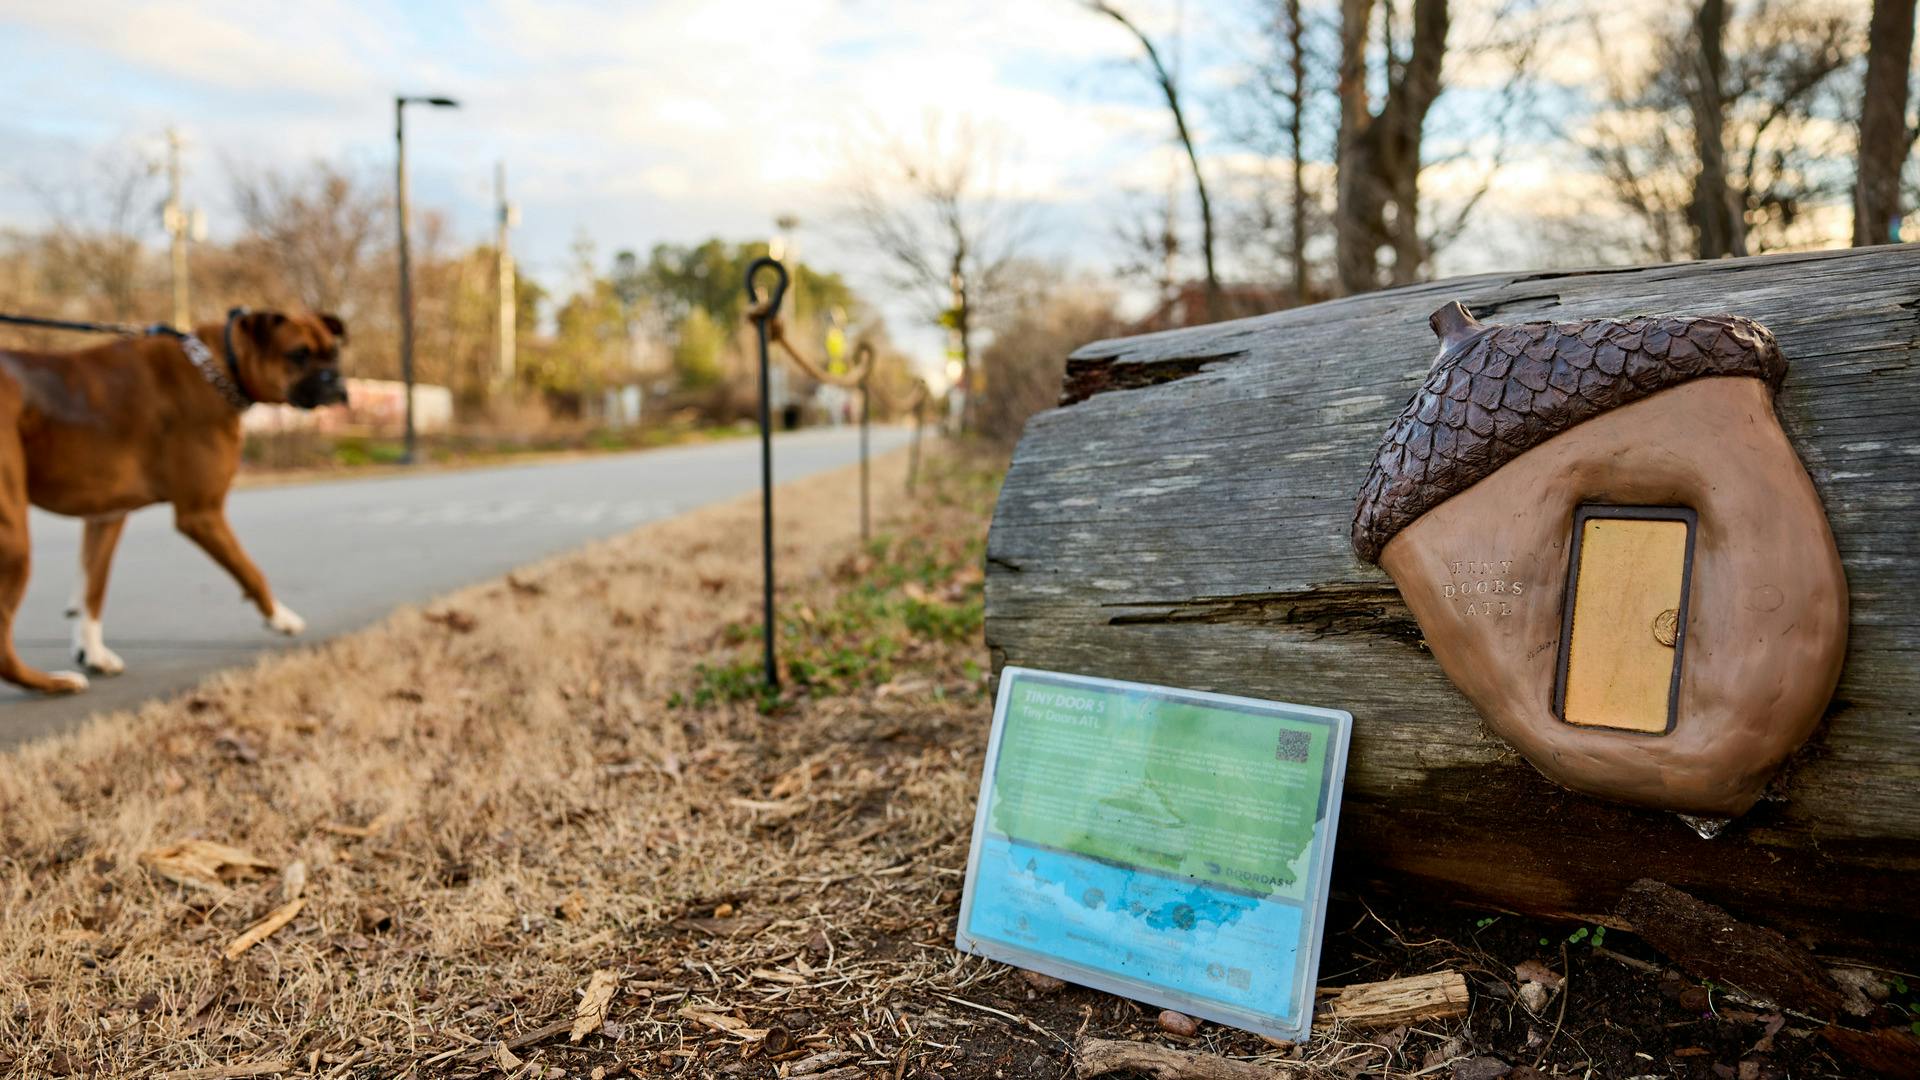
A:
[378,405]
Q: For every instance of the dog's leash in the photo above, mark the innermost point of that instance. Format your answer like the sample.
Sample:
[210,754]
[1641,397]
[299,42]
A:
[227,382]
[123,329]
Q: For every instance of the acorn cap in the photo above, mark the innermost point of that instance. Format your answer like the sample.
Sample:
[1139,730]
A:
[1495,392]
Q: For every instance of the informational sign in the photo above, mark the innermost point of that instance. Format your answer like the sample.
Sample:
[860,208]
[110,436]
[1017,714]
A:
[1169,846]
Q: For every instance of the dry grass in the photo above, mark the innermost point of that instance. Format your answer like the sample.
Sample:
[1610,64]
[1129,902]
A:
[483,803]
[533,809]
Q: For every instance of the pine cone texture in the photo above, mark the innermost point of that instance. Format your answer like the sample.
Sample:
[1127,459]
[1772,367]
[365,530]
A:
[1507,389]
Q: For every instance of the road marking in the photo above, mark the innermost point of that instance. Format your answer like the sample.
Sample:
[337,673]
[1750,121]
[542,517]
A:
[507,511]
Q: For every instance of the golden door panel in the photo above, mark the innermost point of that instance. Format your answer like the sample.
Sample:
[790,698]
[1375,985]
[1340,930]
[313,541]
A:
[1624,629]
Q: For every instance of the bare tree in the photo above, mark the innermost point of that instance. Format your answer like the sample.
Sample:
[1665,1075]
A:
[1721,149]
[1643,164]
[320,230]
[1170,89]
[93,247]
[1274,112]
[1380,152]
[1024,363]
[1885,139]
[943,231]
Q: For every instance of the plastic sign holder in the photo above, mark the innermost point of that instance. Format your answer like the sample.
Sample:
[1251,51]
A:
[1170,846]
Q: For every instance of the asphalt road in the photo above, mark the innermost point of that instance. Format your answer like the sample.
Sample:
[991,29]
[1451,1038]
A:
[344,553]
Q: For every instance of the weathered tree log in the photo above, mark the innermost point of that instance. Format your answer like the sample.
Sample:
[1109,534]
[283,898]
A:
[1183,518]
[1754,961]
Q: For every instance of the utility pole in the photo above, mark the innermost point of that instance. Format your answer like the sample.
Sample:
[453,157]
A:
[509,216]
[178,222]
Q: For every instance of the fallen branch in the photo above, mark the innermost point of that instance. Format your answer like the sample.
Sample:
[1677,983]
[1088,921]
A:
[265,928]
[525,1038]
[223,1072]
[1098,1057]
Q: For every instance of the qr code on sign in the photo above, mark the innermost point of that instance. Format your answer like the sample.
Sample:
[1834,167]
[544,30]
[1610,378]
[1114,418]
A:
[1293,746]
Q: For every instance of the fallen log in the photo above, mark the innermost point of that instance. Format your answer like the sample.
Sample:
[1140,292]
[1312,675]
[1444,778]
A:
[1183,518]
[1753,961]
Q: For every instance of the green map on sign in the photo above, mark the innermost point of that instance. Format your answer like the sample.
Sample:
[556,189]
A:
[1209,792]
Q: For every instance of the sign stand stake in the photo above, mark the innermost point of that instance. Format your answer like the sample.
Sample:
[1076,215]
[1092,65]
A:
[866,413]
[762,315]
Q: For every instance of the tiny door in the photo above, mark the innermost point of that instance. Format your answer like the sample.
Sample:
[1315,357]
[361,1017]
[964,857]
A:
[1624,624]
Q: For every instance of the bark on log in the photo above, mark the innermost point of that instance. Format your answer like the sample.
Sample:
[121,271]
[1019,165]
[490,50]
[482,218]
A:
[1183,517]
[1754,961]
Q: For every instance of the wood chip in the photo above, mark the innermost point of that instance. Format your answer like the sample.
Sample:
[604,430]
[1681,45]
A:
[293,880]
[264,929]
[592,1011]
[505,1058]
[814,1063]
[1437,995]
[1098,1057]
[222,1072]
[1042,984]
[204,864]
[1533,971]
[721,1022]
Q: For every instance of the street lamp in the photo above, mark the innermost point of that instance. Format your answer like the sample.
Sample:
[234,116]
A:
[400,104]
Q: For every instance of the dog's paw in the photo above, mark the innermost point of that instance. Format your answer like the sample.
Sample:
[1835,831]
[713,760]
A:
[65,682]
[285,621]
[90,650]
[100,660]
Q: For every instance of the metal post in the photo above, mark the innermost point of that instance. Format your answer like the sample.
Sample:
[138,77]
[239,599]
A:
[866,412]
[406,269]
[760,320]
[919,424]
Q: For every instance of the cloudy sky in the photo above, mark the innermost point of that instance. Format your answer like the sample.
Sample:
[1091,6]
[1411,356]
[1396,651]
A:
[636,123]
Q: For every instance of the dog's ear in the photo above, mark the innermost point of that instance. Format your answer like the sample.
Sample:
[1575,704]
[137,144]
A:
[260,325]
[334,326]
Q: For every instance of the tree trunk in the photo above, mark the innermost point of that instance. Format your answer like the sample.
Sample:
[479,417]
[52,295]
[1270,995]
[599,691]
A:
[1718,224]
[1402,123]
[1297,103]
[963,335]
[1171,91]
[1884,139]
[1380,155]
[1358,202]
[1184,520]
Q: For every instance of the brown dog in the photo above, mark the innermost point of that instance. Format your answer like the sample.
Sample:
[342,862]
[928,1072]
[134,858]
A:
[96,433]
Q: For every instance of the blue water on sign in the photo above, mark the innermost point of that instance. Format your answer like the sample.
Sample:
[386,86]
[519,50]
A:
[1184,935]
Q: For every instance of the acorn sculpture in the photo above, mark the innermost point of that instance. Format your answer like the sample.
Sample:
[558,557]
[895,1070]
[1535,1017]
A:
[1614,552]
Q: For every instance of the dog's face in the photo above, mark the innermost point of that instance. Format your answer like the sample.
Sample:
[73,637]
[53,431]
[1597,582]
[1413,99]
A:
[291,358]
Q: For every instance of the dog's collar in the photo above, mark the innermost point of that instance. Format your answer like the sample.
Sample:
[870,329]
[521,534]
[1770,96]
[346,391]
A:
[224,379]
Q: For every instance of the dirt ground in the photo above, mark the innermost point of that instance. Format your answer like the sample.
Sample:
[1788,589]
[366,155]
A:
[561,805]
